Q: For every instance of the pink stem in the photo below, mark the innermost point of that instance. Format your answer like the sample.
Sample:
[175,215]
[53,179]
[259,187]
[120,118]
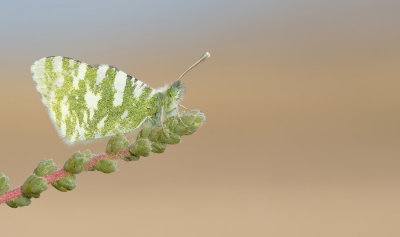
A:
[12,194]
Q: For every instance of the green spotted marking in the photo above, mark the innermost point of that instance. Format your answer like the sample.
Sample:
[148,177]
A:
[88,102]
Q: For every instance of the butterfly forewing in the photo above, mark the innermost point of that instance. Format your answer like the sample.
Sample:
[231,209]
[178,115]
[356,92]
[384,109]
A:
[88,102]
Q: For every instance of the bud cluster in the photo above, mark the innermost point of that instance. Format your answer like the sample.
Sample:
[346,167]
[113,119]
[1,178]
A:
[156,138]
[151,138]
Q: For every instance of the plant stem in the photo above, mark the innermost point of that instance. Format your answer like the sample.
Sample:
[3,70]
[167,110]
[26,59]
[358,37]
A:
[12,194]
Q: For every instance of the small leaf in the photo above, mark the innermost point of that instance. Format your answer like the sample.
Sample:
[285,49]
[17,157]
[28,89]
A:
[45,167]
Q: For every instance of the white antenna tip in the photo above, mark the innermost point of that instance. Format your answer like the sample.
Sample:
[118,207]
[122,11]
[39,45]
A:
[206,55]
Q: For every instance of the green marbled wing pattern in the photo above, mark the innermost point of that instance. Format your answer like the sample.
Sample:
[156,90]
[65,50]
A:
[88,102]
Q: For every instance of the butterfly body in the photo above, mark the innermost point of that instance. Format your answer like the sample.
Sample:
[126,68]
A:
[88,102]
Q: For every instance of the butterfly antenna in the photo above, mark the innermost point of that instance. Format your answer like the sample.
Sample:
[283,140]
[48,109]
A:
[204,57]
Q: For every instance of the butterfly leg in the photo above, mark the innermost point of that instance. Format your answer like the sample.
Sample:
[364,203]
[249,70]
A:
[162,121]
[179,116]
[147,121]
[183,106]
[162,116]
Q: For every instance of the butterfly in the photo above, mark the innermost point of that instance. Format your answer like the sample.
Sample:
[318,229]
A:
[88,102]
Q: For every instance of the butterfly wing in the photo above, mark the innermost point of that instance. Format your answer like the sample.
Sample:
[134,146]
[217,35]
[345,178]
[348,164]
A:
[88,102]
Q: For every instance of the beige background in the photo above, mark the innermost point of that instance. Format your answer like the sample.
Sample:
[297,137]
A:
[302,102]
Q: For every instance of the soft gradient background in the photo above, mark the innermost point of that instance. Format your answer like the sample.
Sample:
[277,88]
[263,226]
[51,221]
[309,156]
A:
[303,117]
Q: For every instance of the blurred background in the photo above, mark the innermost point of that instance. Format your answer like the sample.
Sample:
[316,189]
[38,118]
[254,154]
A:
[302,103]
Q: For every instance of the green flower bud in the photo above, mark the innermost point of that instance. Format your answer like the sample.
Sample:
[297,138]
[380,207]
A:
[164,135]
[116,144]
[45,167]
[158,147]
[77,162]
[157,135]
[173,138]
[4,186]
[20,201]
[175,125]
[88,154]
[171,122]
[145,132]
[65,184]
[33,186]
[193,120]
[106,166]
[141,147]
[131,157]
[12,204]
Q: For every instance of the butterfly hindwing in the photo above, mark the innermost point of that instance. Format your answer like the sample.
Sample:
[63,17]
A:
[88,102]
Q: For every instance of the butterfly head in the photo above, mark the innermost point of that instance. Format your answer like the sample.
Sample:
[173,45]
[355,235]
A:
[176,92]
[173,96]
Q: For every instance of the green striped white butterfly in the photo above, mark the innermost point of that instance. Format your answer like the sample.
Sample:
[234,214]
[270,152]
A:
[88,102]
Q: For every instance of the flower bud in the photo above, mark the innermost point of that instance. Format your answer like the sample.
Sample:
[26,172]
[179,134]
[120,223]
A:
[116,144]
[76,164]
[193,120]
[158,147]
[106,165]
[20,201]
[145,132]
[141,147]
[65,184]
[164,135]
[33,186]
[45,167]
[175,124]
[4,185]
[131,157]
